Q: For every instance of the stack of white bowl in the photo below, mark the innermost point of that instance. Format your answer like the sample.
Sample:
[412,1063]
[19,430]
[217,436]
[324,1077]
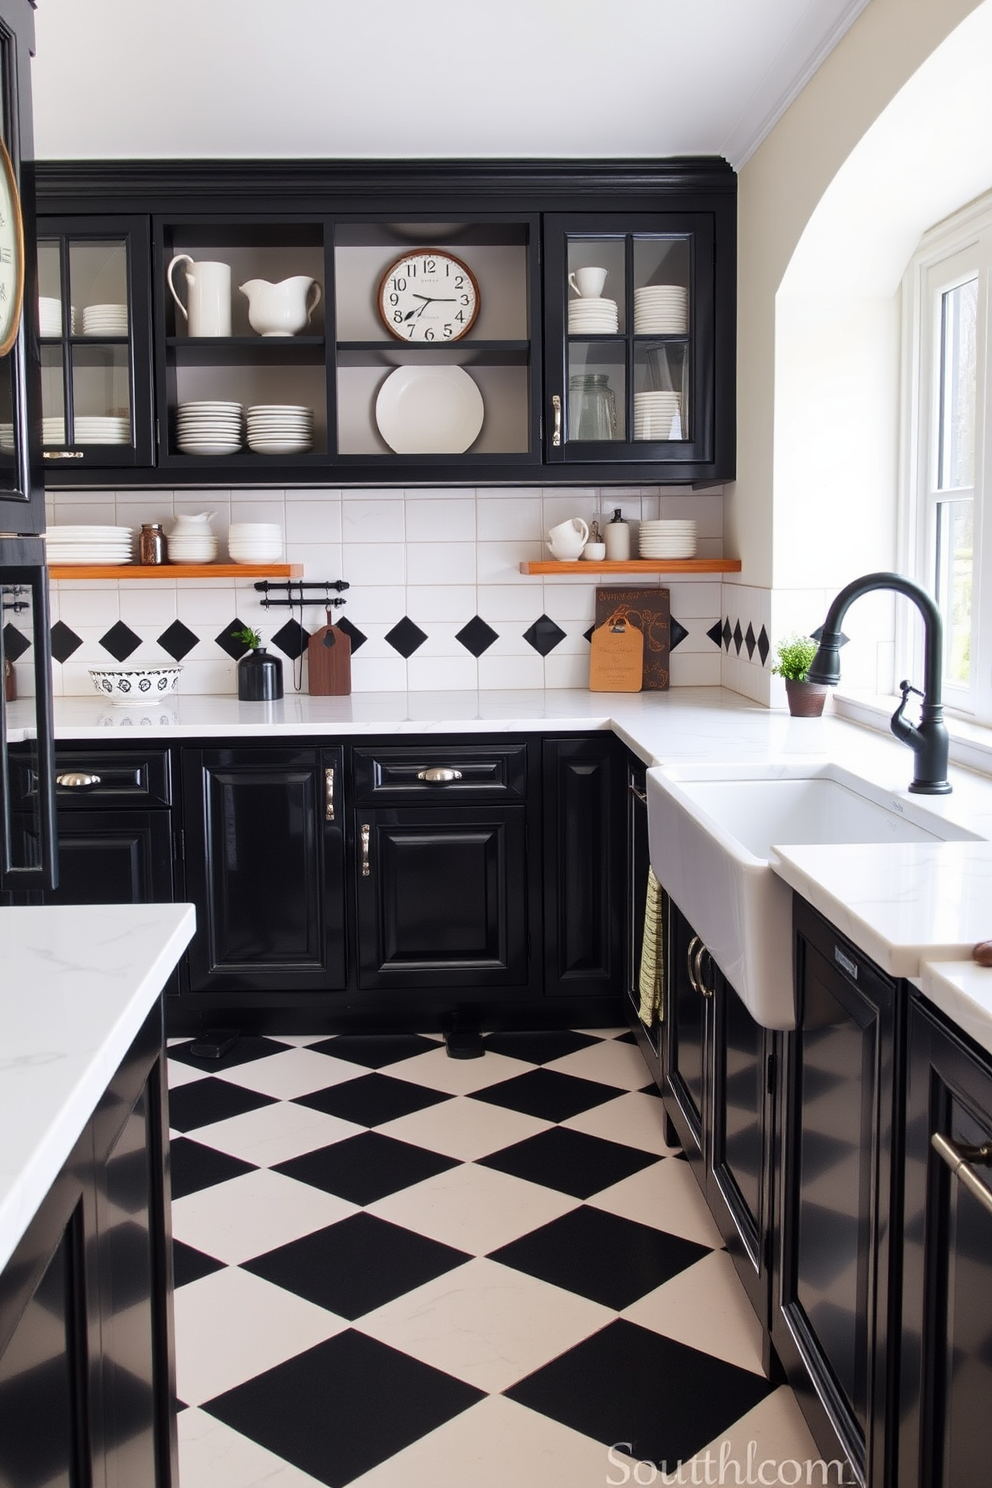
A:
[209,428]
[105,429]
[191,547]
[668,538]
[50,316]
[104,320]
[661,310]
[280,429]
[109,545]
[255,542]
[592,317]
[657,415]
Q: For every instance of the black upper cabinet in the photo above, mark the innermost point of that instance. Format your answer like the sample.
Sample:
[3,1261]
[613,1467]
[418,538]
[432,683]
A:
[494,400]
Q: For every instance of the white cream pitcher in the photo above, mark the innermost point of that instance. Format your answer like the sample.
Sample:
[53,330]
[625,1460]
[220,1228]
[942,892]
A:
[567,540]
[208,290]
[282,309]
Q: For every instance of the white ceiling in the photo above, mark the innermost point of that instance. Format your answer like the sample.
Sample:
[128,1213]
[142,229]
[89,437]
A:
[422,78]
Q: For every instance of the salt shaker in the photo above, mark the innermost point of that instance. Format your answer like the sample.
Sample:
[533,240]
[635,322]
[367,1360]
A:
[616,535]
[151,543]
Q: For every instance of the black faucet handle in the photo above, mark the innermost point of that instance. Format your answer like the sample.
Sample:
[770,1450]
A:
[906,687]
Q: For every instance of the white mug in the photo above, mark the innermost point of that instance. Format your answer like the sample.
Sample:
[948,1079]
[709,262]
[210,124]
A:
[588,282]
[567,540]
[208,288]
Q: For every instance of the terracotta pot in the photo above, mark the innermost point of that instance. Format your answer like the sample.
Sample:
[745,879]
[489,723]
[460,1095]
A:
[806,699]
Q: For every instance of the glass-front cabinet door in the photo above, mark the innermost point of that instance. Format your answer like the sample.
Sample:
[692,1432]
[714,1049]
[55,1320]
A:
[630,344]
[94,323]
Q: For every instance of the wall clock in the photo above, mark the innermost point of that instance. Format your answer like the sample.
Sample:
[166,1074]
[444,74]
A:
[428,295]
[11,254]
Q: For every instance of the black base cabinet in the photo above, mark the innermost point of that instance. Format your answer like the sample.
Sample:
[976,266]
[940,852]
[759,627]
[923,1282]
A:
[86,1348]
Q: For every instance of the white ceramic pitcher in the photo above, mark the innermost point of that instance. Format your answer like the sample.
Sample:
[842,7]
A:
[208,289]
[567,540]
[282,309]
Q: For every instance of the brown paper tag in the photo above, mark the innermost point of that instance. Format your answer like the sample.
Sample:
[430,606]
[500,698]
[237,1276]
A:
[616,660]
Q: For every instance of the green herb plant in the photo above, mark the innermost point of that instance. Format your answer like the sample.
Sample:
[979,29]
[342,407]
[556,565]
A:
[248,637]
[795,657]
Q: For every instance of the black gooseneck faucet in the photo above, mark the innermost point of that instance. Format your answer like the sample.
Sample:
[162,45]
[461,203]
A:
[928,739]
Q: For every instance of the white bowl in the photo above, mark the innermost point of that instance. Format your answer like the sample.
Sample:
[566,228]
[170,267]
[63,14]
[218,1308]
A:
[135,687]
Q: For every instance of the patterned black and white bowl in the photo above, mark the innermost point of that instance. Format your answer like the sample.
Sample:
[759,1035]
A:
[135,687]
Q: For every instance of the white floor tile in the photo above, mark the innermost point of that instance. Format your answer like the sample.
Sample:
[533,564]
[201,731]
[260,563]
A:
[780,1439]
[705,1307]
[183,1074]
[297,1040]
[666,1196]
[211,1455]
[232,1325]
[255,1213]
[610,1062]
[634,1119]
[463,1128]
[274,1134]
[294,1073]
[486,1324]
[457,1076]
[475,1209]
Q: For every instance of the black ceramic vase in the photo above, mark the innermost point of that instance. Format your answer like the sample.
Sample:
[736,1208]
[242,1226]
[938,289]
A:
[259,677]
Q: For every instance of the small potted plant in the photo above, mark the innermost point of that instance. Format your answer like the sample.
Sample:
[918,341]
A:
[259,674]
[795,657]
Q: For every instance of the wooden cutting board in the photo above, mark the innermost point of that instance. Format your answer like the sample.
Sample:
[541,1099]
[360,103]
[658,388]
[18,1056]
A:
[329,659]
[649,610]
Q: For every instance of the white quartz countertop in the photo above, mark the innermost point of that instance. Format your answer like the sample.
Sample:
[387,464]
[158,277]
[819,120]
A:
[78,983]
[963,990]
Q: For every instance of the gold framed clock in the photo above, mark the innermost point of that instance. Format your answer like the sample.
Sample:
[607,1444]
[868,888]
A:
[12,266]
[428,296]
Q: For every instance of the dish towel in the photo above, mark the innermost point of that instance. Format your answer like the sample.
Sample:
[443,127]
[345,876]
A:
[650,982]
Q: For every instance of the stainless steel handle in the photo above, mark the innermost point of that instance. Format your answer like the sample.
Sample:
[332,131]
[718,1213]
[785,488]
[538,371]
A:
[439,775]
[692,951]
[366,834]
[697,967]
[556,405]
[329,795]
[64,454]
[76,779]
[641,795]
[958,1158]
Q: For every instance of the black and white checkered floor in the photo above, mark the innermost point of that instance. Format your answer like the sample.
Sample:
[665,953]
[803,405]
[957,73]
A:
[395,1269]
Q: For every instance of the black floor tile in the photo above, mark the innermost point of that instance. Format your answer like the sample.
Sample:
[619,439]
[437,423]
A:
[370,1100]
[569,1161]
[658,1400]
[602,1256]
[194,1166]
[538,1046]
[189,1264]
[366,1167]
[206,1101]
[375,1050]
[547,1094]
[341,1408]
[356,1265]
[630,1037]
[247,1048]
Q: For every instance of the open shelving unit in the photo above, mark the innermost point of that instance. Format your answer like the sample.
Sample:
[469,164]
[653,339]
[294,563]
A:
[175,571]
[633,566]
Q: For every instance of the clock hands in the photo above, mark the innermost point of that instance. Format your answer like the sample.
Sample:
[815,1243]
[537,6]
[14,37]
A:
[428,300]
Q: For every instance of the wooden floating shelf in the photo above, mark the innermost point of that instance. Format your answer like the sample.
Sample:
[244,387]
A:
[635,566]
[176,571]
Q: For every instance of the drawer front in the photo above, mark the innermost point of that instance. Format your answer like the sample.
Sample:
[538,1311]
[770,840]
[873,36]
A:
[435,773]
[106,777]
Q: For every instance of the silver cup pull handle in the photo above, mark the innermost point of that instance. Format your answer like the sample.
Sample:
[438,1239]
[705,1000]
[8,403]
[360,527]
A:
[439,775]
[76,780]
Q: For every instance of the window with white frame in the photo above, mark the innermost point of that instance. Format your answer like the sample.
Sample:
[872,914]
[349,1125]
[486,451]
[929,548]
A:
[950,527]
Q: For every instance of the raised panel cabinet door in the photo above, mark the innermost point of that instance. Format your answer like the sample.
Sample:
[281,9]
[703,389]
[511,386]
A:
[441,897]
[114,857]
[264,866]
[685,1035]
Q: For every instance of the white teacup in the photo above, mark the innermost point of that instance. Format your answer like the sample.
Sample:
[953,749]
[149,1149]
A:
[567,540]
[588,282]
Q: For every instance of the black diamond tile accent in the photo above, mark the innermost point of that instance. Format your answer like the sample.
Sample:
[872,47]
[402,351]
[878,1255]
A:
[226,642]
[247,1048]
[726,633]
[587,635]
[64,641]
[678,633]
[610,1381]
[763,645]
[195,1166]
[715,634]
[375,1050]
[121,641]
[372,1099]
[539,1046]
[205,1101]
[338,1410]
[547,1094]
[569,1161]
[738,638]
[178,640]
[749,640]
[365,1168]
[405,637]
[355,1265]
[356,637]
[291,639]
[603,1256]
[544,635]
[477,636]
[189,1264]
[15,643]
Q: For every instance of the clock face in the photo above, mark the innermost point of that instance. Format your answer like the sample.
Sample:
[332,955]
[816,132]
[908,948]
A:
[428,295]
[11,255]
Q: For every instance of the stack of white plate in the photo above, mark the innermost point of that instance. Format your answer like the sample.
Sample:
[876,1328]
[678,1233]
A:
[661,310]
[667,539]
[209,428]
[657,416]
[592,317]
[280,429]
[50,316]
[52,430]
[106,429]
[192,547]
[255,542]
[89,545]
[104,320]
